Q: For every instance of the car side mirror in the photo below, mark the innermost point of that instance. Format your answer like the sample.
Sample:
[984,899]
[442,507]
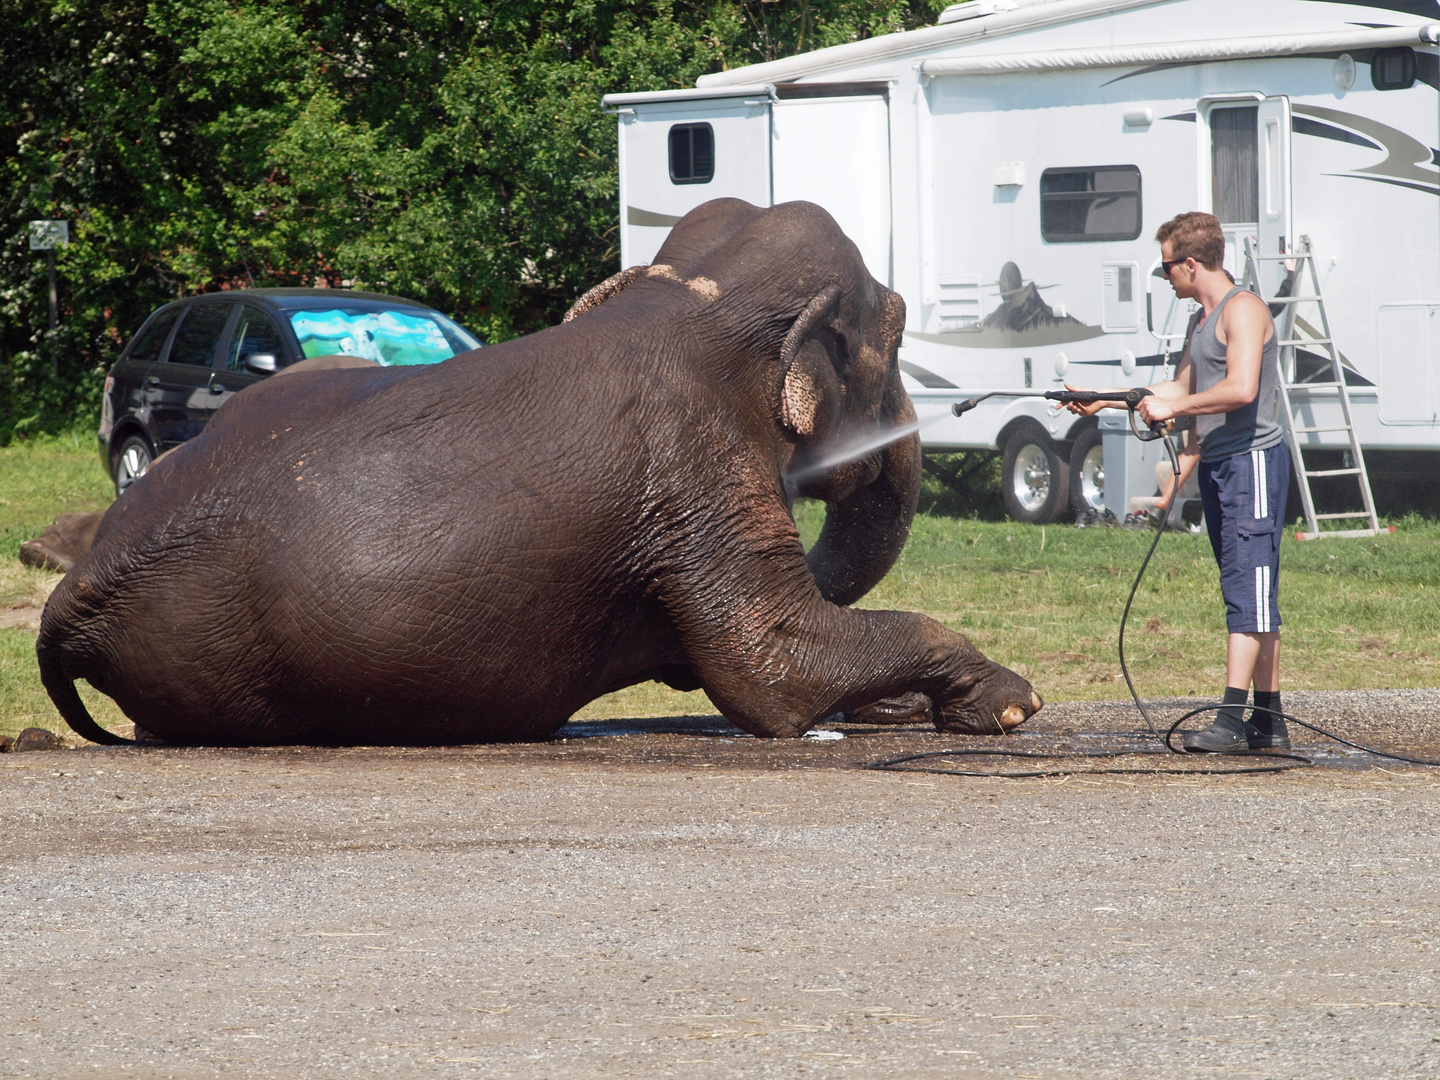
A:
[262,363]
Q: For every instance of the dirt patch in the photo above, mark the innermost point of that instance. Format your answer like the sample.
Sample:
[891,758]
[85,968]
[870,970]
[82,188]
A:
[21,617]
[668,898]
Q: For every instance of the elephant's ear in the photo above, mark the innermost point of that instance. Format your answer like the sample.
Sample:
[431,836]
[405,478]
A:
[602,292]
[807,376]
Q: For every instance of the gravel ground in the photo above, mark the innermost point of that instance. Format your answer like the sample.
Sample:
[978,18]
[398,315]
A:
[666,898]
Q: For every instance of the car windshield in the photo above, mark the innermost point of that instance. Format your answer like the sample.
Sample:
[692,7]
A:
[390,337]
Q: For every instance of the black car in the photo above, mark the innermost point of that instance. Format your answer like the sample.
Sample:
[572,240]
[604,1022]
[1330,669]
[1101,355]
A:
[192,356]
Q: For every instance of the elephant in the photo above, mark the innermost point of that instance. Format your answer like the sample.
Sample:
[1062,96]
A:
[472,551]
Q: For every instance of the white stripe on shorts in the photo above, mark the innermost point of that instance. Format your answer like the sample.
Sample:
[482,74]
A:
[1262,599]
[1261,491]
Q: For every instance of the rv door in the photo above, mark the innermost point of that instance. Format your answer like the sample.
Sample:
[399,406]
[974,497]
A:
[1250,178]
[678,153]
[1274,229]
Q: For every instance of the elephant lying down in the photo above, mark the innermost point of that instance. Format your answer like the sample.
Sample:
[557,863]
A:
[472,551]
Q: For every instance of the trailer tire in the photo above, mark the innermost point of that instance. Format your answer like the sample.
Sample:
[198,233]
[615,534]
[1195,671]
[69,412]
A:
[1087,473]
[1035,476]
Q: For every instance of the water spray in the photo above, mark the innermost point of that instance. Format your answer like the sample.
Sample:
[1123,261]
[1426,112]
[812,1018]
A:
[857,446]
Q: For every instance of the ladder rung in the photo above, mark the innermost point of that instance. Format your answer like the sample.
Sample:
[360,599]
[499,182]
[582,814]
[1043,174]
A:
[1337,517]
[1296,256]
[1333,472]
[1312,386]
[1308,430]
[1287,342]
[1292,299]
[1341,534]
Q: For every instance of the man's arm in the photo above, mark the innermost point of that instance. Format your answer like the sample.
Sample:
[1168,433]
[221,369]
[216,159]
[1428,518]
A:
[1245,331]
[1171,389]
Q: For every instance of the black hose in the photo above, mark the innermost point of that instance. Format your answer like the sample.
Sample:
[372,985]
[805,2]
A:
[1125,617]
[1278,762]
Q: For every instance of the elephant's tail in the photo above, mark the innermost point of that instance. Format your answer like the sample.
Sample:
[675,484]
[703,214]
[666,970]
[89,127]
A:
[60,685]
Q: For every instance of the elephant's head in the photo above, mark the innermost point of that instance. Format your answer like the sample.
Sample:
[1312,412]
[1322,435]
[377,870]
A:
[804,332]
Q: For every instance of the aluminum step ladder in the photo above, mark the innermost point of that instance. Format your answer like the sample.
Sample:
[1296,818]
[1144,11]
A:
[1302,259]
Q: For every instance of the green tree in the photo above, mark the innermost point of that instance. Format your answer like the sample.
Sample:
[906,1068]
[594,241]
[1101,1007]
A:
[453,152]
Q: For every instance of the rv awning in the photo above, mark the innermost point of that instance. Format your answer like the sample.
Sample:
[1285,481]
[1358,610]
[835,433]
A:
[660,97]
[1181,52]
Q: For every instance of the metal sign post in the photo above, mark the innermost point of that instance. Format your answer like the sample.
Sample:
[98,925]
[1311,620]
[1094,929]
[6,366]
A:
[47,236]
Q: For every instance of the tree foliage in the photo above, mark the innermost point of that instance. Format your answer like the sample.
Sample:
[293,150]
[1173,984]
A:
[452,152]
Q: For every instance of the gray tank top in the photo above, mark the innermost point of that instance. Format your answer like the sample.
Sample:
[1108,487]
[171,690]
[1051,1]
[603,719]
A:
[1251,427]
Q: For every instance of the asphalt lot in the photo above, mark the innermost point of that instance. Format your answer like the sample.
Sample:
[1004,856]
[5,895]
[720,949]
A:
[670,900]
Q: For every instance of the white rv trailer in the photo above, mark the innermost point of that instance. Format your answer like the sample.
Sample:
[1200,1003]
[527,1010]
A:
[1005,172]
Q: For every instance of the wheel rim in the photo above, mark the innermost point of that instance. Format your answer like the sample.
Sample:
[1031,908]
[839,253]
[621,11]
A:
[134,461]
[1030,478]
[1092,477]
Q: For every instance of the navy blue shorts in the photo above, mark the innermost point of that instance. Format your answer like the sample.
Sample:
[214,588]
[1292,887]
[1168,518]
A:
[1244,498]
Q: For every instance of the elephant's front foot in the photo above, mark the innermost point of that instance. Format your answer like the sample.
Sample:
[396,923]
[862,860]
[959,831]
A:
[997,703]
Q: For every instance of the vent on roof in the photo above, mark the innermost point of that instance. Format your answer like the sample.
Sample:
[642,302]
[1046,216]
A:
[973,9]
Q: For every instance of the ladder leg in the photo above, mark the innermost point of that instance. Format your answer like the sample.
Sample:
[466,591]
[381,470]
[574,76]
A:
[1288,372]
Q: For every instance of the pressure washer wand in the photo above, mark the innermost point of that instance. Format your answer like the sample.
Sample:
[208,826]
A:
[1131,398]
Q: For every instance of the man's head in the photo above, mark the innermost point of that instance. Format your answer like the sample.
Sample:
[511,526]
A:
[1190,245]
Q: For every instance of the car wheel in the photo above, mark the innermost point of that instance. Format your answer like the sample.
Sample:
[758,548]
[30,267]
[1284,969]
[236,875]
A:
[1087,473]
[1034,480]
[134,459]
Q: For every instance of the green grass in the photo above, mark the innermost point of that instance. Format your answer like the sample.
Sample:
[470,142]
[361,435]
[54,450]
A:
[45,476]
[40,478]
[1043,600]
[1046,601]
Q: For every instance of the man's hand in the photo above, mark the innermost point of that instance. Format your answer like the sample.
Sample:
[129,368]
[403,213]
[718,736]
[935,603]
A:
[1084,410]
[1153,409]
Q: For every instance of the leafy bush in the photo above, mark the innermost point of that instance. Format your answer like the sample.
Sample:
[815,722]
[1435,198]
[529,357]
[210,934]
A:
[450,152]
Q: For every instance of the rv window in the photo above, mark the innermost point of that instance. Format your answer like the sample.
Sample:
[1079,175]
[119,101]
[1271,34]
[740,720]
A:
[1100,202]
[692,154]
[1234,164]
[1393,69]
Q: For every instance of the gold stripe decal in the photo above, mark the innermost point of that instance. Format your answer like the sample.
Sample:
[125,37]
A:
[635,216]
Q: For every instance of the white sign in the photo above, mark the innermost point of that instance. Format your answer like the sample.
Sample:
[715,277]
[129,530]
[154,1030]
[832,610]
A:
[46,235]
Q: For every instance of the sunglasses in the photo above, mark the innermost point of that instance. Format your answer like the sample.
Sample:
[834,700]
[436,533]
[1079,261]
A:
[1166,265]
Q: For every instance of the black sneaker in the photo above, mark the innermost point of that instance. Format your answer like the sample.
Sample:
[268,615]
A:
[1224,736]
[1269,734]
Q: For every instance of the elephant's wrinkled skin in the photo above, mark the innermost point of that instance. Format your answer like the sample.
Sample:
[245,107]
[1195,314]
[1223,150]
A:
[473,551]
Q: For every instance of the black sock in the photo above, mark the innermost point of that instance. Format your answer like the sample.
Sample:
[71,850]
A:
[1233,714]
[1265,722]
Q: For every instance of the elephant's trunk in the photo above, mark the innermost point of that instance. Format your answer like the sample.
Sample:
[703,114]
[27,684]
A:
[865,531]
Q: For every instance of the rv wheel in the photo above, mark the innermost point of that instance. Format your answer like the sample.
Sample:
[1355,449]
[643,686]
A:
[1087,473]
[1035,479]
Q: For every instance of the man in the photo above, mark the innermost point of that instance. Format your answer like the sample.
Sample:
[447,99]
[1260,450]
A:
[1228,380]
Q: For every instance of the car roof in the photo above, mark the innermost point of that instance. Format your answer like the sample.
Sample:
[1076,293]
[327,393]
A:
[287,299]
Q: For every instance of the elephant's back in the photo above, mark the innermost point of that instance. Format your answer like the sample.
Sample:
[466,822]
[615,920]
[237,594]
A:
[379,562]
